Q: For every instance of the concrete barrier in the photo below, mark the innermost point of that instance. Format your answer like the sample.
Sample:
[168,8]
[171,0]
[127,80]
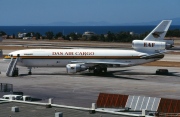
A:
[58,114]
[15,109]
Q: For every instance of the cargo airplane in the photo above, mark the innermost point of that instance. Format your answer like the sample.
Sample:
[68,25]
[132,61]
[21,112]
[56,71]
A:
[151,48]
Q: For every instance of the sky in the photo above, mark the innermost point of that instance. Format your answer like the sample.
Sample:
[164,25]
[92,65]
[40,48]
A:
[47,12]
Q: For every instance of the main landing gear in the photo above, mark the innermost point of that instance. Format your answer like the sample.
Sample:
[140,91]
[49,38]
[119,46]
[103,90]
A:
[99,70]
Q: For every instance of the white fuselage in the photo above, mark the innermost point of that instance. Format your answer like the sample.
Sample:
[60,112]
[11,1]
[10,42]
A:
[62,57]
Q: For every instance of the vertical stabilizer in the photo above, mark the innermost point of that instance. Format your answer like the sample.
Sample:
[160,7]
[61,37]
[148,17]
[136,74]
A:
[159,32]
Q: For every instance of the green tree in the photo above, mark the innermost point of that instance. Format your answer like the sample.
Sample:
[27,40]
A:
[30,34]
[111,36]
[2,33]
[101,38]
[94,38]
[125,37]
[142,36]
[49,35]
[79,35]
[37,35]
[173,33]
[14,36]
[59,34]
[73,36]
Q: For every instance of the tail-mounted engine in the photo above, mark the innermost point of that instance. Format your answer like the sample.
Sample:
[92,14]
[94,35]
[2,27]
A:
[73,68]
[142,45]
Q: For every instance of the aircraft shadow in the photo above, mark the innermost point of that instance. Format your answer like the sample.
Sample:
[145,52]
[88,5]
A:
[110,74]
[44,74]
[60,73]
[123,72]
[170,74]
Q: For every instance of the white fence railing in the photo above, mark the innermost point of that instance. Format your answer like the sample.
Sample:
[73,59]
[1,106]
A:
[49,104]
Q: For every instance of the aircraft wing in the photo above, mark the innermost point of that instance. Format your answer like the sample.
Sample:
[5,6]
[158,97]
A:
[101,63]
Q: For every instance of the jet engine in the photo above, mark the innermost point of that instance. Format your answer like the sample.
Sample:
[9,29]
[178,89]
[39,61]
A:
[73,68]
[152,45]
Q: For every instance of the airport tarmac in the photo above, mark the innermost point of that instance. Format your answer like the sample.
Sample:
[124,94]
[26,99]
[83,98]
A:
[82,89]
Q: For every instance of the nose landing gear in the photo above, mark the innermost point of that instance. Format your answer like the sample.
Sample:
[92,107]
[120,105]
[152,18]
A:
[30,73]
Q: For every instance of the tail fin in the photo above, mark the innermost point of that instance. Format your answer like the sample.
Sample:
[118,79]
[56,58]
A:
[159,32]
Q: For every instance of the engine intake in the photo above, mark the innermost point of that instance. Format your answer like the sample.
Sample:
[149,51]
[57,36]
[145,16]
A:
[74,68]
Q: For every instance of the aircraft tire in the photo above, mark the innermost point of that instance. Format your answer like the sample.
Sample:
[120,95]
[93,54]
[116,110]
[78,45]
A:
[95,71]
[29,73]
[98,71]
[104,70]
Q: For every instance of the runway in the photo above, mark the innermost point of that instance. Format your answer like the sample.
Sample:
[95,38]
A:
[82,89]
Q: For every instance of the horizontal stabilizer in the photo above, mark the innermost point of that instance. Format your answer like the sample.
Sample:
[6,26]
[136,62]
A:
[156,55]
